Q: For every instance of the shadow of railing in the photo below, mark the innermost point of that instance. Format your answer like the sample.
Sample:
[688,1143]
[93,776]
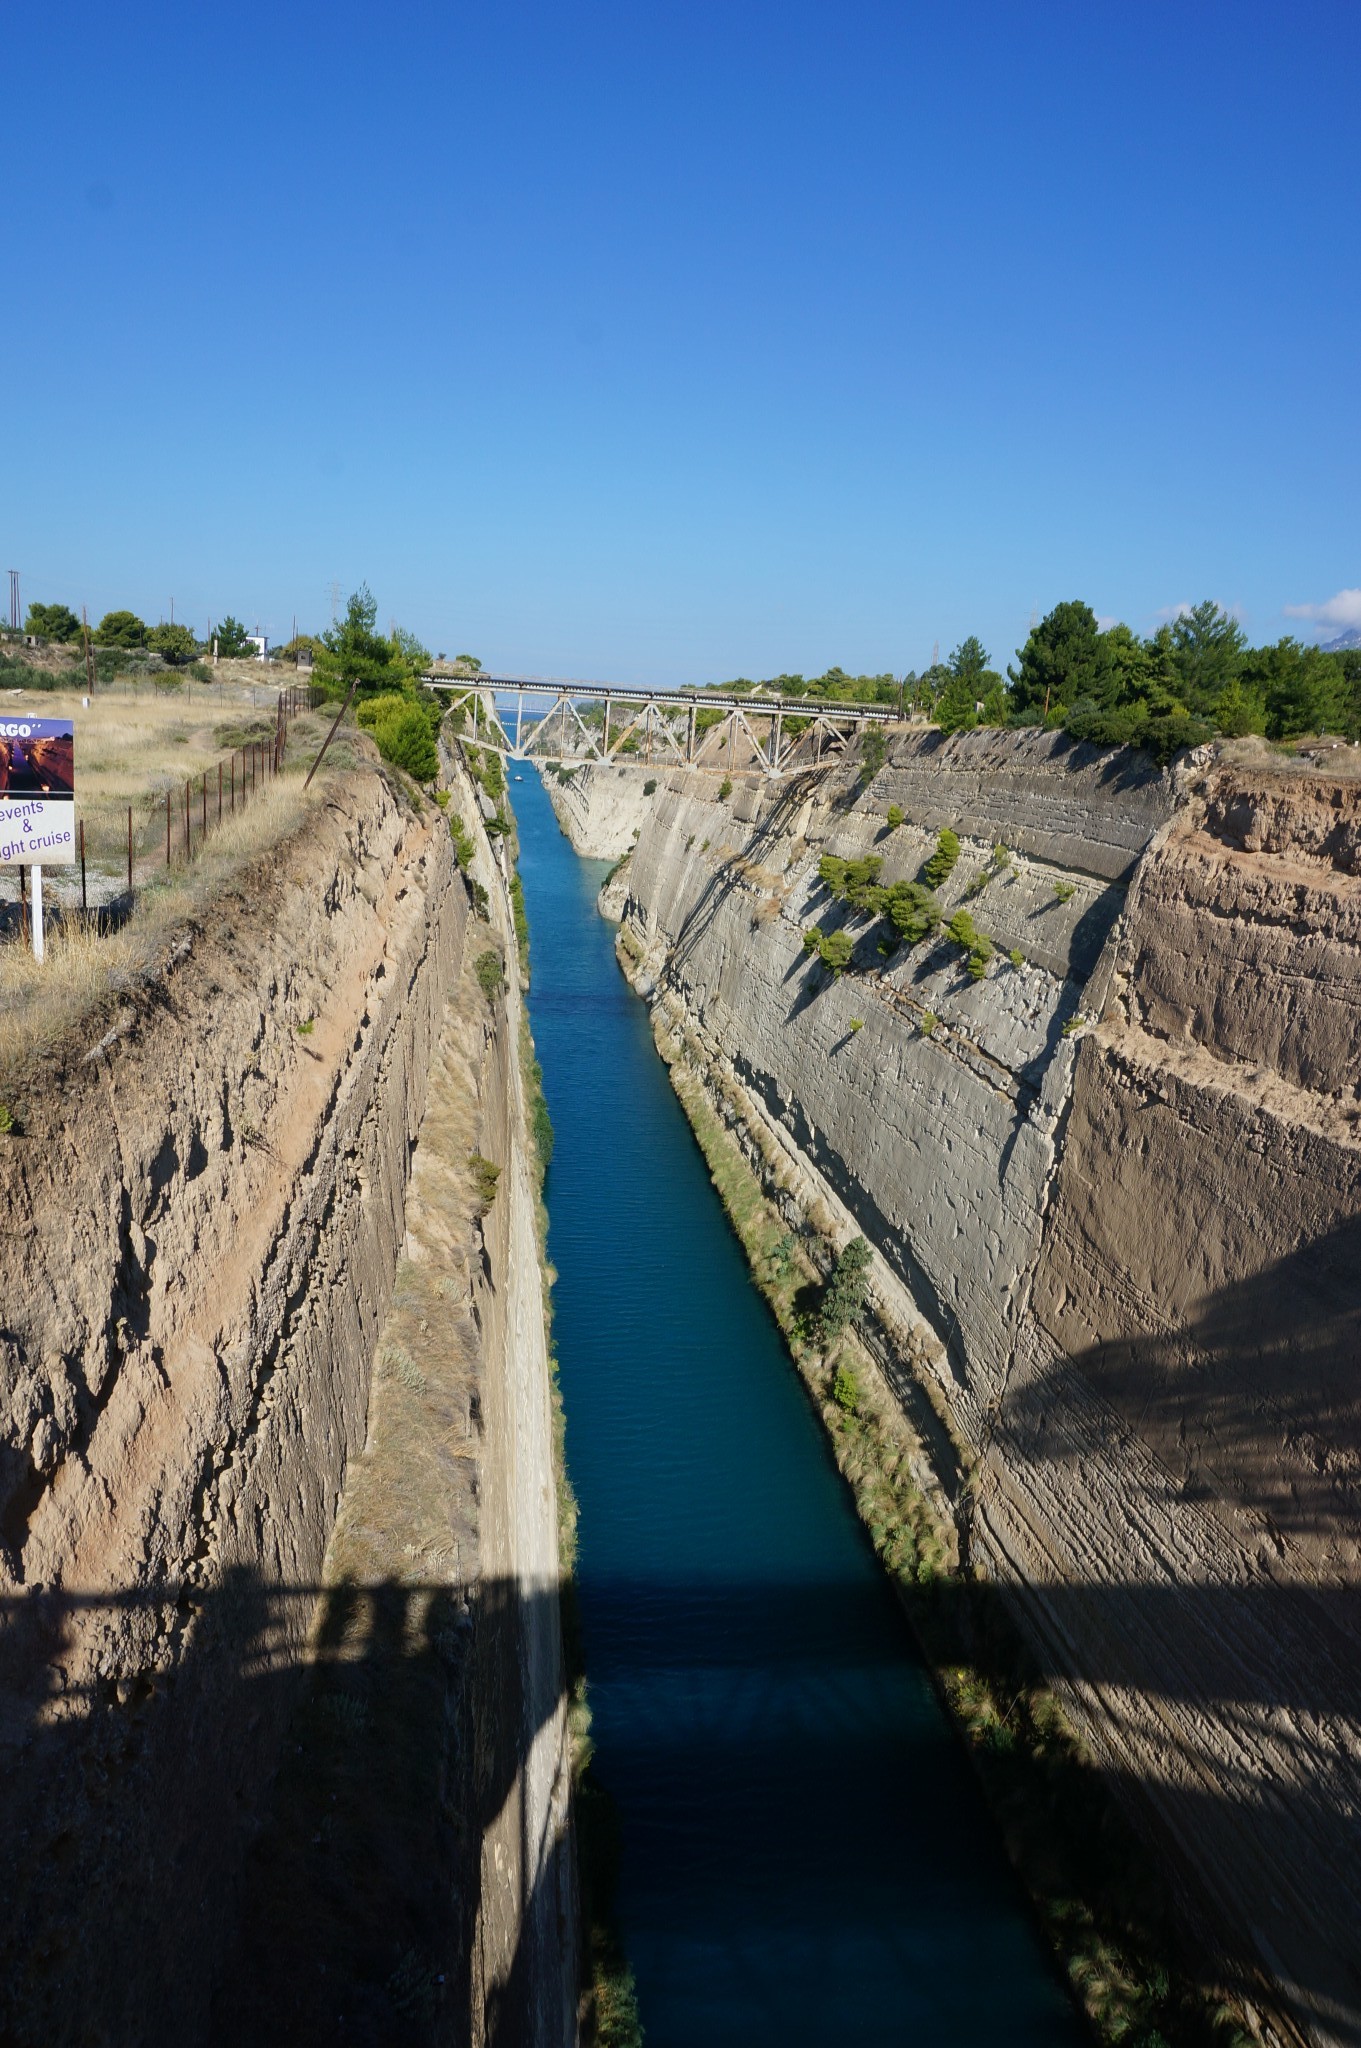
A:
[215,1837]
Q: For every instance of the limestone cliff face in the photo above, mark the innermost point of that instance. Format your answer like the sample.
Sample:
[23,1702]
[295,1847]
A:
[1116,1193]
[205,1213]
[601,807]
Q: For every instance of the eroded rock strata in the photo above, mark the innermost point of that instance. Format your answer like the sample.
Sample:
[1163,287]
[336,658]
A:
[1115,1189]
[206,1212]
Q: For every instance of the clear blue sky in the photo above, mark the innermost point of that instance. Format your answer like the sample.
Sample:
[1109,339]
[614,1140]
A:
[677,341]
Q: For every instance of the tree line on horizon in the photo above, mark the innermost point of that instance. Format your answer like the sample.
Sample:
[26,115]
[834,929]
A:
[383,668]
[1194,677]
[126,633]
[352,645]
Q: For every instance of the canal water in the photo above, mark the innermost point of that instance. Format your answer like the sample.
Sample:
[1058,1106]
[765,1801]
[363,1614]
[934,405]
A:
[804,1855]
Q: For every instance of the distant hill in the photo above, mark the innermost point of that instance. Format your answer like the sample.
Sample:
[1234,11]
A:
[1351,638]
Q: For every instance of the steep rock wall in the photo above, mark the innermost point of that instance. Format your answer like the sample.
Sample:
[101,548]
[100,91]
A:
[1115,1193]
[601,807]
[212,1206]
[413,1872]
[206,1210]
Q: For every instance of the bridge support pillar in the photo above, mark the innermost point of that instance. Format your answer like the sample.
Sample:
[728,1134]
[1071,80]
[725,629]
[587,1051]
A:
[606,747]
[519,718]
[775,743]
[690,735]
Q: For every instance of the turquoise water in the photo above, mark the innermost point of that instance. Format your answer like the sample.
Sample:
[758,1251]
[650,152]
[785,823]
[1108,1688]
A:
[804,1855]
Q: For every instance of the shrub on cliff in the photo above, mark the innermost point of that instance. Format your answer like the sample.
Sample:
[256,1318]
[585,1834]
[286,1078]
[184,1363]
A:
[873,753]
[912,910]
[650,786]
[977,949]
[852,881]
[938,868]
[485,1177]
[846,1390]
[401,729]
[462,838]
[487,770]
[404,739]
[725,789]
[491,977]
[518,912]
[835,950]
[844,1296]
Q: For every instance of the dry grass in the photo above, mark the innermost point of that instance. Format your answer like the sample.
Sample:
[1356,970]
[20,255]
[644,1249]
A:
[131,749]
[86,974]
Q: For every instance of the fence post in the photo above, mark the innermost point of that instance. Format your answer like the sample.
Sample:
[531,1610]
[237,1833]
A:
[204,800]
[83,903]
[188,834]
[233,782]
[219,792]
[129,850]
[167,828]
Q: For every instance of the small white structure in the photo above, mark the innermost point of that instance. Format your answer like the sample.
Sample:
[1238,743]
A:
[260,642]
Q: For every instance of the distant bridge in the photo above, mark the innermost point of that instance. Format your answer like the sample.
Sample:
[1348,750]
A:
[772,735]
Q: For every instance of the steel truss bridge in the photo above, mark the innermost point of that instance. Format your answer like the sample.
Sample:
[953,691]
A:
[773,736]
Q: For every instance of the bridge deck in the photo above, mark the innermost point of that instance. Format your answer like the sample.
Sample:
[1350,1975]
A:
[628,693]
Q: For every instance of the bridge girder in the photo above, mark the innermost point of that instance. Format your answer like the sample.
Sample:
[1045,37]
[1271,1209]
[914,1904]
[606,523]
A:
[561,734]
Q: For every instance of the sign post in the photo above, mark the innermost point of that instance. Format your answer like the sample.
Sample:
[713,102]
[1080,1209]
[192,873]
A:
[37,801]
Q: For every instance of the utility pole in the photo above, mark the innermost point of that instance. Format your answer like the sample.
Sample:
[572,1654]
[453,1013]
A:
[89,653]
[14,599]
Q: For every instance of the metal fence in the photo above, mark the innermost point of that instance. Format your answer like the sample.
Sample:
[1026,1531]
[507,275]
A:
[170,827]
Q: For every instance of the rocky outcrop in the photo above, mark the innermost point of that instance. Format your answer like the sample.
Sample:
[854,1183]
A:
[1115,1186]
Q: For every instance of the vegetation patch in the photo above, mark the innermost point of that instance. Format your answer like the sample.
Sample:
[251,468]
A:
[491,973]
[873,754]
[941,864]
[910,908]
[463,841]
[977,950]
[484,1178]
[517,909]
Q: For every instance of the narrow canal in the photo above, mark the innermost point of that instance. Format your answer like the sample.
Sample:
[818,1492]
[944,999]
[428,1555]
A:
[804,1855]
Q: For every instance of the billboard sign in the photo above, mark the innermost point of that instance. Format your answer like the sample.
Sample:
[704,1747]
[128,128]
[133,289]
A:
[37,791]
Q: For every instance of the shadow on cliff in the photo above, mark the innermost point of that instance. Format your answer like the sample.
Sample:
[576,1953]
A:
[248,1851]
[241,1847]
[739,1692]
[1252,1401]
[1250,1404]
